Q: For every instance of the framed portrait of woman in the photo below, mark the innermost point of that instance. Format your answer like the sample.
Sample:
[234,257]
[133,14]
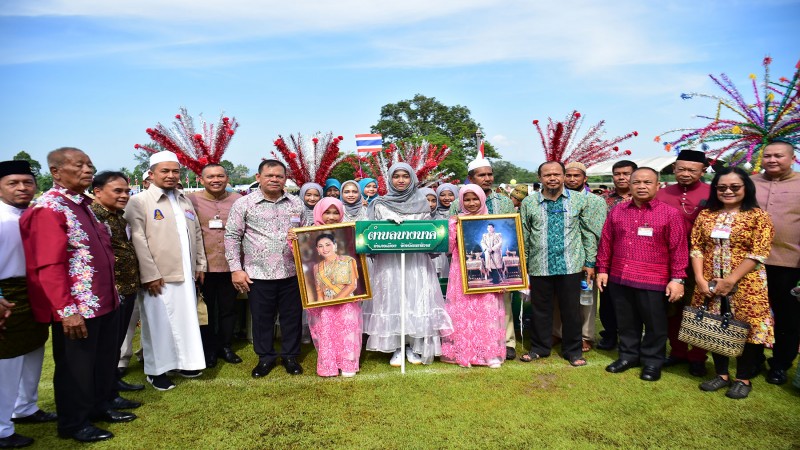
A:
[491,253]
[328,269]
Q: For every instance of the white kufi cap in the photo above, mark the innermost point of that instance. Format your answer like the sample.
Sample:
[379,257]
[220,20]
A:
[480,162]
[165,156]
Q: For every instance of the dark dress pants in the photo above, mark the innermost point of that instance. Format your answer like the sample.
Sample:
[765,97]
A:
[85,370]
[780,280]
[220,297]
[678,348]
[566,290]
[608,318]
[270,297]
[637,309]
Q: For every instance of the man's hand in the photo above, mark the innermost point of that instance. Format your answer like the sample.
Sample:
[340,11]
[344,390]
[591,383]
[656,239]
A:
[154,287]
[674,291]
[589,273]
[74,327]
[5,311]
[200,277]
[602,281]
[241,281]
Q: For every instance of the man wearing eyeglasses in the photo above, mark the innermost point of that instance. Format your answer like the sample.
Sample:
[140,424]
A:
[689,196]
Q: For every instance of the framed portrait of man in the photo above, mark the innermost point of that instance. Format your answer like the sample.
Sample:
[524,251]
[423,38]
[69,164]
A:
[328,269]
[492,254]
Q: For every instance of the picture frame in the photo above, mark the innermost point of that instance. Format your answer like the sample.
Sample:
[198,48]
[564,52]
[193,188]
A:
[312,253]
[492,260]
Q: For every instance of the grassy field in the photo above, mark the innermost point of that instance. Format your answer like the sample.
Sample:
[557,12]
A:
[543,404]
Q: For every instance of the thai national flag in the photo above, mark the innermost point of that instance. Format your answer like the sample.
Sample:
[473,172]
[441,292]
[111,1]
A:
[369,143]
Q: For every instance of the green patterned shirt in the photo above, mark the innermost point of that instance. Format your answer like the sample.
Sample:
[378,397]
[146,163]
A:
[561,235]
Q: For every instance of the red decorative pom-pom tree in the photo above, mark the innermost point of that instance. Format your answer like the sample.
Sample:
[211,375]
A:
[309,164]
[195,150]
[561,141]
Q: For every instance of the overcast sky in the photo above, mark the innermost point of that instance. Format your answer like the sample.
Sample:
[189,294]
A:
[96,73]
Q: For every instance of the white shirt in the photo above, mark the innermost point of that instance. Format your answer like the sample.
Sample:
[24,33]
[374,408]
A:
[11,253]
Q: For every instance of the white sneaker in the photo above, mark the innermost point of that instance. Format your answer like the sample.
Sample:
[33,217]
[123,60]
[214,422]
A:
[397,358]
[494,363]
[348,374]
[412,357]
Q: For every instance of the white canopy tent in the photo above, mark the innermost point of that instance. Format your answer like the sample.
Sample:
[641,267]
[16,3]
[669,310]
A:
[656,162]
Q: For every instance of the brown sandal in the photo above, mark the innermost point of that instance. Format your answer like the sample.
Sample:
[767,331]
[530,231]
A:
[587,345]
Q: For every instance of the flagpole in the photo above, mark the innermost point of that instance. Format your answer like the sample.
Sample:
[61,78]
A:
[403,313]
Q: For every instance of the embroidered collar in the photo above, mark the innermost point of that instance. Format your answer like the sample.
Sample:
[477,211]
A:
[72,195]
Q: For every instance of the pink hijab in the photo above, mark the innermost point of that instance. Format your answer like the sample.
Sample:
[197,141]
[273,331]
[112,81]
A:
[323,206]
[468,188]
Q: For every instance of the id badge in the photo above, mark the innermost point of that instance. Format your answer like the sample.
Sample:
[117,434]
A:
[215,224]
[721,232]
[296,221]
[645,231]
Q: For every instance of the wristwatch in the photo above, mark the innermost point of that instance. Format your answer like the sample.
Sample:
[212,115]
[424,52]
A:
[677,280]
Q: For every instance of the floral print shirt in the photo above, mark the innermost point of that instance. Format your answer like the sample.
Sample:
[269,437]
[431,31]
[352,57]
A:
[256,235]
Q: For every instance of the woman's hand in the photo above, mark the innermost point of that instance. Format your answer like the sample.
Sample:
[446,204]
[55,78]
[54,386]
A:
[723,287]
[702,286]
[291,235]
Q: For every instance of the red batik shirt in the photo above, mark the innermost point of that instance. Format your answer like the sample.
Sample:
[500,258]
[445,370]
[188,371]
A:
[68,258]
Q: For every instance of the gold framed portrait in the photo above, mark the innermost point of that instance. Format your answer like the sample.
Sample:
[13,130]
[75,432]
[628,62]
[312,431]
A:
[329,271]
[491,253]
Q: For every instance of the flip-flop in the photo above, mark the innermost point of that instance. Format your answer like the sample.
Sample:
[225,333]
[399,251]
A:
[577,362]
[530,356]
[586,345]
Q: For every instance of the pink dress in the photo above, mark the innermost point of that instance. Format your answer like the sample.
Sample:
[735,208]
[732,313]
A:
[479,327]
[336,331]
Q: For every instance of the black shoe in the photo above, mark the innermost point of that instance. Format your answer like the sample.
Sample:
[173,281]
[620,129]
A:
[777,376]
[89,433]
[263,369]
[124,403]
[121,372]
[124,386]
[38,417]
[620,365]
[112,416]
[698,369]
[211,361]
[186,373]
[15,441]
[606,343]
[739,390]
[229,356]
[511,353]
[292,368]
[674,361]
[650,373]
[161,382]
[714,384]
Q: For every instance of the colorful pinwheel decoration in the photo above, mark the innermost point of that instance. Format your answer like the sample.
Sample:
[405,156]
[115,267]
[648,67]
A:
[307,164]
[194,150]
[561,141]
[775,115]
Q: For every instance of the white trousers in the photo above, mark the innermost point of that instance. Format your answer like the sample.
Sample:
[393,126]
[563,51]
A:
[126,351]
[19,388]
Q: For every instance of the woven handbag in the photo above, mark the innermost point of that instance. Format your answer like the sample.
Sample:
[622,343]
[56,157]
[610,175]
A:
[721,334]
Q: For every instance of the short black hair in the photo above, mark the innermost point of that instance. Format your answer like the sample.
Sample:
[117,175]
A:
[325,236]
[537,185]
[490,224]
[539,170]
[749,202]
[213,165]
[623,163]
[271,163]
[105,177]
[646,169]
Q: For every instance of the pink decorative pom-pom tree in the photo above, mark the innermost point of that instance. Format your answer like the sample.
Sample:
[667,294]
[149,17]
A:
[424,159]
[561,142]
[306,164]
[195,150]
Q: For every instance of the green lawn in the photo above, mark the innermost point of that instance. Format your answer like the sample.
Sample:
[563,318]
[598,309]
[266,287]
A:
[543,404]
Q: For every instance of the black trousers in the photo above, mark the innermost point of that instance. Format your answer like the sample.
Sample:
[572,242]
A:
[126,304]
[780,280]
[85,370]
[746,363]
[637,309]
[220,297]
[566,290]
[608,318]
[270,297]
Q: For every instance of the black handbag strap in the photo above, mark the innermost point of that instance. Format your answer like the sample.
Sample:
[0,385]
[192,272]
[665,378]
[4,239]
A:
[724,309]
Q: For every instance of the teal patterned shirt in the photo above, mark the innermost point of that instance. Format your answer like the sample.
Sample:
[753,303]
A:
[561,235]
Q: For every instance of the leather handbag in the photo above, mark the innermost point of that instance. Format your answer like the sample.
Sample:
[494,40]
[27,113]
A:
[717,333]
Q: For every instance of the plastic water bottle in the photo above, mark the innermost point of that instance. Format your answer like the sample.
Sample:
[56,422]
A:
[587,294]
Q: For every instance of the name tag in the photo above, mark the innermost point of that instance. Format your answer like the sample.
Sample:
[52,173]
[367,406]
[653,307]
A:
[189,214]
[216,224]
[645,231]
[721,232]
[295,221]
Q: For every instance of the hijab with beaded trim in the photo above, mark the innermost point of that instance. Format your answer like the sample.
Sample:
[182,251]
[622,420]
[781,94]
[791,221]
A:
[406,202]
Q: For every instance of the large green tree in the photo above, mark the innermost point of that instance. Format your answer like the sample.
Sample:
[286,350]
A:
[43,180]
[425,118]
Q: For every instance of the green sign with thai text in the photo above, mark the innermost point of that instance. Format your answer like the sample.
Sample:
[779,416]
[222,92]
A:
[427,236]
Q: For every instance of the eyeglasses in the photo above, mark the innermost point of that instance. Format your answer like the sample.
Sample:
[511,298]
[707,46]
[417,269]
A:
[734,188]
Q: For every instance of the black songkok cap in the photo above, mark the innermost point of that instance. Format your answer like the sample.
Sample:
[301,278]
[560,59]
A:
[693,156]
[15,168]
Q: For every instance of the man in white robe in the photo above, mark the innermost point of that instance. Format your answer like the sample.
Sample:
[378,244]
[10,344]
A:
[169,246]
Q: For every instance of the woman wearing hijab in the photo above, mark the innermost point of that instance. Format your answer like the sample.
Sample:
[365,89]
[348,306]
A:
[425,317]
[310,193]
[332,188]
[430,195]
[369,189]
[354,208]
[478,319]
[446,193]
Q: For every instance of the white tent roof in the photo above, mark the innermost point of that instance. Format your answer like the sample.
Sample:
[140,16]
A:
[656,162]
